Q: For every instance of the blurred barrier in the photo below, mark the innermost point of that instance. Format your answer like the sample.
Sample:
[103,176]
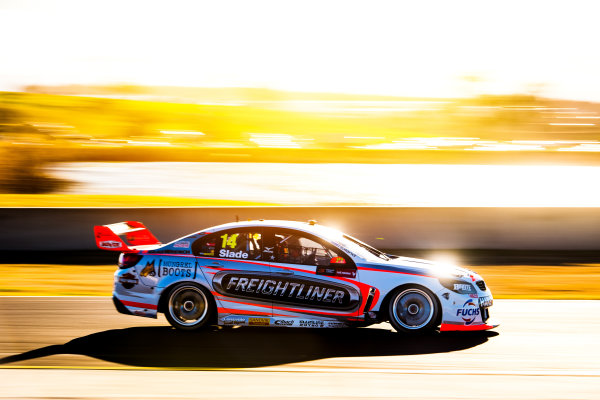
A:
[384,227]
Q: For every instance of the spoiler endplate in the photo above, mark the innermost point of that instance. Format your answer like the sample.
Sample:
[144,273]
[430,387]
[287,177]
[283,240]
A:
[124,236]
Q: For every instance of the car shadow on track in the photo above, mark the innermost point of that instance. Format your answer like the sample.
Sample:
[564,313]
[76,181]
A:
[244,347]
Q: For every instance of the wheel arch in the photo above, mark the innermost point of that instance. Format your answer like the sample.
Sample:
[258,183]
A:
[384,307]
[164,297]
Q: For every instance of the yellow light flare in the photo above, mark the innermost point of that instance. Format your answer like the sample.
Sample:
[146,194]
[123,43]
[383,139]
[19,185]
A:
[274,140]
[570,124]
[583,147]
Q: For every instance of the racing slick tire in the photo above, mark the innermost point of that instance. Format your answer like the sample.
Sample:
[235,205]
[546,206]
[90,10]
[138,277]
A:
[413,310]
[189,307]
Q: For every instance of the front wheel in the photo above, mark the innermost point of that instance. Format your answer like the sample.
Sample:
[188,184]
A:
[413,310]
[189,307]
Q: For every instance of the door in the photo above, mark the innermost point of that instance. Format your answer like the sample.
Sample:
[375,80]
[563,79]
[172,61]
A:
[312,278]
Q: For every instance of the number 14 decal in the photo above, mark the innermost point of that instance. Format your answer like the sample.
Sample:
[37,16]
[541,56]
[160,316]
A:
[230,241]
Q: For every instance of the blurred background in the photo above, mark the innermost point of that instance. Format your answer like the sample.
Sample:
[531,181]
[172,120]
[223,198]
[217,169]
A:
[141,104]
[391,104]
[463,132]
[476,128]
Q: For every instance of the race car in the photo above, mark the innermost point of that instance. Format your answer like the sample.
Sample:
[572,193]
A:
[287,274]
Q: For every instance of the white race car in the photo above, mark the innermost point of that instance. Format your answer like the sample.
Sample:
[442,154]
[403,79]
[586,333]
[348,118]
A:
[289,274]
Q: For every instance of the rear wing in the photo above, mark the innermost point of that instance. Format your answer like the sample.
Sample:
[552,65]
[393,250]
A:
[136,235]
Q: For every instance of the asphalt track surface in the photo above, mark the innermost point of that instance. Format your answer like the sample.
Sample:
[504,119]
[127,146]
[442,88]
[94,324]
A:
[80,347]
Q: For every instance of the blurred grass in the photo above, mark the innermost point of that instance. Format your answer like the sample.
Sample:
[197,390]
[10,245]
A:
[569,282]
[577,282]
[79,200]
[56,280]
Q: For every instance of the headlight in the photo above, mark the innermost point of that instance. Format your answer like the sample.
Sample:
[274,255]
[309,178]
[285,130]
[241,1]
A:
[458,286]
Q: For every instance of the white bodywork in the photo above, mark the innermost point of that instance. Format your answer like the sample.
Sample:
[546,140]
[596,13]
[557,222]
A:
[256,287]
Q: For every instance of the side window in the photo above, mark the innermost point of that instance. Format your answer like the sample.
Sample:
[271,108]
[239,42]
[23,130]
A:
[205,246]
[295,248]
[239,244]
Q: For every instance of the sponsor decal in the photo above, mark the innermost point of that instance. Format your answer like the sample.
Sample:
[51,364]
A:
[311,323]
[284,322]
[462,287]
[348,273]
[473,295]
[259,321]
[336,324]
[110,244]
[285,289]
[337,271]
[182,245]
[183,269]
[149,269]
[128,280]
[268,250]
[178,264]
[232,254]
[350,253]
[182,272]
[458,286]
[486,302]
[468,312]
[345,249]
[234,321]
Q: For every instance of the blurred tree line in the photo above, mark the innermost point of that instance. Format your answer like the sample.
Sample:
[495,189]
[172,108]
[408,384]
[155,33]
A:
[125,122]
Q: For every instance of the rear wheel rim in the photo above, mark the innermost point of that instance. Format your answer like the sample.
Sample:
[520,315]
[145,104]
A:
[413,309]
[188,306]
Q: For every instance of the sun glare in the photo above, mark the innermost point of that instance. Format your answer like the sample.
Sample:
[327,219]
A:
[427,49]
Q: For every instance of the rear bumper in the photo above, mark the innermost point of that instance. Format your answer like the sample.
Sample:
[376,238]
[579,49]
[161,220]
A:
[120,306]
[129,307]
[465,328]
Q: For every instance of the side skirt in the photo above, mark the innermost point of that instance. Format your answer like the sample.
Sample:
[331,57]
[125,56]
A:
[284,322]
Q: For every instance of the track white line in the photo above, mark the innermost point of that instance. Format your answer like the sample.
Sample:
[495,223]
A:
[341,370]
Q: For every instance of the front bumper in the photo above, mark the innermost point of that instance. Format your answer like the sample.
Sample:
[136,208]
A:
[468,311]
[445,327]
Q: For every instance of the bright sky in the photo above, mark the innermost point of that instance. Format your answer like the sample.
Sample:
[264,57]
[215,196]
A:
[407,48]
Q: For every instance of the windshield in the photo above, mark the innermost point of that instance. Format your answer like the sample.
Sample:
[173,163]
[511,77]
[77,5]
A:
[359,248]
[365,246]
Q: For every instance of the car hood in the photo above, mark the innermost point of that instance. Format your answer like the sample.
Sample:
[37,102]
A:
[425,267]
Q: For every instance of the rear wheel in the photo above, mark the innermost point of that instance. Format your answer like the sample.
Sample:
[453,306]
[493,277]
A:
[413,310]
[189,307]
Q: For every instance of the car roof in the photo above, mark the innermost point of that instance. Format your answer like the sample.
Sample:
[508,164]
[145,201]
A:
[310,227]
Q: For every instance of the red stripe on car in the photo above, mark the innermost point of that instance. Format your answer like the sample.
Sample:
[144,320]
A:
[139,305]
[453,327]
[393,272]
